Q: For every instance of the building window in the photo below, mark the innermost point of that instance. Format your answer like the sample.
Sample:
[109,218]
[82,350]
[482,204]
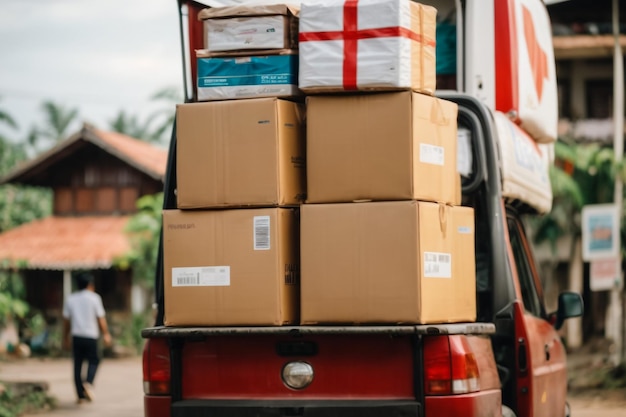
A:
[599,97]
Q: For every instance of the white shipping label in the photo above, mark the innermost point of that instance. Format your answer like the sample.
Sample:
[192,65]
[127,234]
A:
[262,233]
[431,154]
[464,152]
[437,265]
[201,276]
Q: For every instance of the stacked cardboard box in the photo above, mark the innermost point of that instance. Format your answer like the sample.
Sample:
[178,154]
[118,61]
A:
[383,238]
[232,246]
[249,52]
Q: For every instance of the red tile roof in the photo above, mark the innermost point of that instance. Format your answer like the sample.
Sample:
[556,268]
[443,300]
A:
[143,155]
[61,243]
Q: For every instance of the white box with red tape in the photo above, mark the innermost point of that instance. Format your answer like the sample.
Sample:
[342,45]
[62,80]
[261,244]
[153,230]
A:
[348,45]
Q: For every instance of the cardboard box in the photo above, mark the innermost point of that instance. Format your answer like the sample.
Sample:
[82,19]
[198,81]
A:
[250,27]
[231,267]
[387,262]
[240,153]
[385,146]
[374,45]
[239,77]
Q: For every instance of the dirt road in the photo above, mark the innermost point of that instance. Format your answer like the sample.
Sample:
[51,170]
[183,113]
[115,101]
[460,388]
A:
[119,392]
[118,386]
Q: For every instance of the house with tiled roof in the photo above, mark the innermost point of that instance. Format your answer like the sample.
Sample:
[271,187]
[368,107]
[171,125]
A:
[96,178]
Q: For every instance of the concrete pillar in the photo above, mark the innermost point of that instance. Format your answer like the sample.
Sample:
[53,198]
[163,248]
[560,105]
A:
[67,284]
[575,326]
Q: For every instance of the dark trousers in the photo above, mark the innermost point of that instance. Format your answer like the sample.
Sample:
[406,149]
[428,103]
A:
[84,349]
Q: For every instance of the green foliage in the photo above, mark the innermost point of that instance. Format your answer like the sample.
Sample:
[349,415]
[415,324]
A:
[590,179]
[130,335]
[12,293]
[154,127]
[14,404]
[21,204]
[10,155]
[144,229]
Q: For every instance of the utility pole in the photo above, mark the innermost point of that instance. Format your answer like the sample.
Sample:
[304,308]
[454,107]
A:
[616,307]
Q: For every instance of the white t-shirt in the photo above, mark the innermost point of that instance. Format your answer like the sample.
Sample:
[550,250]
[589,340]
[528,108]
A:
[83,308]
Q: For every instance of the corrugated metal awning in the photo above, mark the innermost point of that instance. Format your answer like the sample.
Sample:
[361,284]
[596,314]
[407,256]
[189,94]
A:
[66,243]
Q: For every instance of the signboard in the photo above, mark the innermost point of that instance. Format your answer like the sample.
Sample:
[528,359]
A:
[600,232]
[605,274]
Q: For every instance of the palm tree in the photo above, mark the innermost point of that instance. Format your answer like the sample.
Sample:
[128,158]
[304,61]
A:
[156,125]
[131,126]
[170,96]
[58,120]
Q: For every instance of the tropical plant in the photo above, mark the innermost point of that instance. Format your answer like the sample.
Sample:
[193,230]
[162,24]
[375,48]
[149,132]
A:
[583,174]
[18,204]
[57,121]
[144,230]
[131,126]
[12,304]
[155,126]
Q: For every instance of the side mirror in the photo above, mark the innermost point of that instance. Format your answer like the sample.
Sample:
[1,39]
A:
[570,305]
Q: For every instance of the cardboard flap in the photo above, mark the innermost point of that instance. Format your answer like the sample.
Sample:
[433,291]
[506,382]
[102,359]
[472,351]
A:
[240,11]
[441,115]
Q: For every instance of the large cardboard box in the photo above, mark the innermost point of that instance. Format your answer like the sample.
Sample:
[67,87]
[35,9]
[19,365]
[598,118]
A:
[367,45]
[250,27]
[387,262]
[385,146]
[248,76]
[240,153]
[231,267]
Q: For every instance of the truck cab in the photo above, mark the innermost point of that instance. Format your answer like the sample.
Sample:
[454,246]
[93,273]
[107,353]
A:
[511,361]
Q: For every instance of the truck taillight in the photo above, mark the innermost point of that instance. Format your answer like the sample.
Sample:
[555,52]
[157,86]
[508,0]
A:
[449,366]
[156,367]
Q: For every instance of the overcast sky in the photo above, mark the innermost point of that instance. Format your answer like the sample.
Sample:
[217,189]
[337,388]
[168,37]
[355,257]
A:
[99,56]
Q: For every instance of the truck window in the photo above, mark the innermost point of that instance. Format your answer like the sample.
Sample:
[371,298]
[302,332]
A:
[530,296]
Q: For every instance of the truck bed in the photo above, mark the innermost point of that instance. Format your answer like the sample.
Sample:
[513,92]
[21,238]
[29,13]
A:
[427,329]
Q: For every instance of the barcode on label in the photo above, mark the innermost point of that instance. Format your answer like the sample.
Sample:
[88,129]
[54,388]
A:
[431,154]
[189,280]
[437,265]
[262,233]
[202,276]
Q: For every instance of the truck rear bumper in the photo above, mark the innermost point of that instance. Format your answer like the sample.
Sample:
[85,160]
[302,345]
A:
[157,406]
[300,408]
[483,403]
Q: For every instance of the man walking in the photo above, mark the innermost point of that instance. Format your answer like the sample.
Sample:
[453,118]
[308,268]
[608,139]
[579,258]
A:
[84,318]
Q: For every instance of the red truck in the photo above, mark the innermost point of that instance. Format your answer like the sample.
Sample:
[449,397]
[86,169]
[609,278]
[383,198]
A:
[510,362]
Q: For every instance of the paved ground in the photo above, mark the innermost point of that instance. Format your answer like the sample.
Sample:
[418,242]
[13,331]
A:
[118,386]
[119,392]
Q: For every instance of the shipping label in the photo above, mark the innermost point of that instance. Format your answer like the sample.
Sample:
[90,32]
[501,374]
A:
[201,276]
[262,233]
[437,265]
[431,154]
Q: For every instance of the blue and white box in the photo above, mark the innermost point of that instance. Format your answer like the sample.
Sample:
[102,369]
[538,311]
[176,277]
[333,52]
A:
[240,77]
